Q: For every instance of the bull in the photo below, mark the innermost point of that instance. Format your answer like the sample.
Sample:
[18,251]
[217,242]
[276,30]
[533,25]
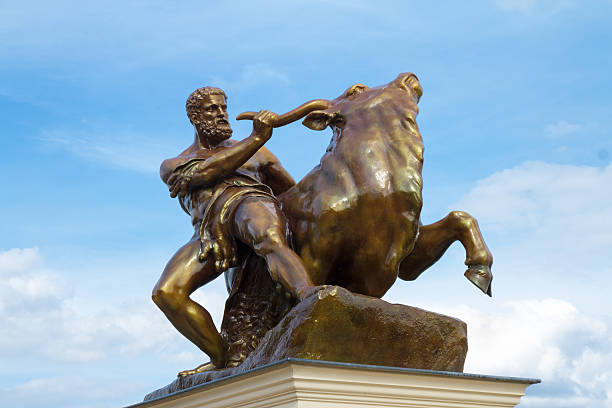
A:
[356,216]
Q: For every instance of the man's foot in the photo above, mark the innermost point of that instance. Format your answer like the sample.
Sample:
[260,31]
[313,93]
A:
[307,291]
[199,369]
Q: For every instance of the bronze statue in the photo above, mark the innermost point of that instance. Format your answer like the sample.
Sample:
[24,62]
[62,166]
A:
[354,220]
[221,179]
[355,216]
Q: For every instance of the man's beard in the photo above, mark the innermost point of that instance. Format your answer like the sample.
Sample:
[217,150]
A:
[213,133]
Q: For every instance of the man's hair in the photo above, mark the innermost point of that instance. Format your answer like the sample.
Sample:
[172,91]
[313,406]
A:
[197,96]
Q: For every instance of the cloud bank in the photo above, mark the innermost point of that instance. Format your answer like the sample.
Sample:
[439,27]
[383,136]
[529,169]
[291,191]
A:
[536,208]
[40,315]
[123,149]
[551,339]
[46,324]
[553,230]
[552,218]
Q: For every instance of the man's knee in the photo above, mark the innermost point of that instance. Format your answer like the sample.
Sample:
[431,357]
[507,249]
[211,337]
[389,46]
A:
[268,240]
[166,299]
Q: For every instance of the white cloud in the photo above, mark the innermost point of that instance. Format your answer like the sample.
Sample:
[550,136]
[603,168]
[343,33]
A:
[557,218]
[533,336]
[67,391]
[40,315]
[21,288]
[538,191]
[536,210]
[548,338]
[127,150]
[550,227]
[45,322]
[17,260]
[562,128]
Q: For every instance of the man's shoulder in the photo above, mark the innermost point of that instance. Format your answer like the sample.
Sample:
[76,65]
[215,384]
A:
[192,152]
[173,163]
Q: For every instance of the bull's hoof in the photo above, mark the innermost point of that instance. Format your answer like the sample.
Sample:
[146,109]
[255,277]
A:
[199,369]
[480,276]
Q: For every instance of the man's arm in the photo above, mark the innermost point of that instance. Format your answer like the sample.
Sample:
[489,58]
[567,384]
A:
[224,162]
[168,166]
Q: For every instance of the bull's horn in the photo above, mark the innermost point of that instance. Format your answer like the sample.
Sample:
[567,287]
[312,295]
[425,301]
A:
[292,116]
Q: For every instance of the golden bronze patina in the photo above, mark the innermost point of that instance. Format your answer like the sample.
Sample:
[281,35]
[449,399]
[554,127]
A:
[354,220]
[356,215]
[230,183]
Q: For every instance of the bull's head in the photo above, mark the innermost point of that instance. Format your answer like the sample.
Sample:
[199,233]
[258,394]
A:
[357,104]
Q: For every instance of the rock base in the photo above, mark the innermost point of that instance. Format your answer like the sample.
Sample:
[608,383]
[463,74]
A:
[334,324]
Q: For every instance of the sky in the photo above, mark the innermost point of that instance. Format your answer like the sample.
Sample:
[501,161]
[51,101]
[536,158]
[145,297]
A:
[515,119]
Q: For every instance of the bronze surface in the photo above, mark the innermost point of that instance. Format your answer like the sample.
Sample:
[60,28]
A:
[353,221]
[227,187]
[356,216]
[336,325]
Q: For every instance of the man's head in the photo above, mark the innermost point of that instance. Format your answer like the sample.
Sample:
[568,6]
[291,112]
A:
[207,111]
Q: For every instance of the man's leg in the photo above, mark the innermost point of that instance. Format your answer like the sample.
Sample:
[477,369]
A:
[260,224]
[181,277]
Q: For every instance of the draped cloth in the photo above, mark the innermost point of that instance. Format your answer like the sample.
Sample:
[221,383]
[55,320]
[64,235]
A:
[227,194]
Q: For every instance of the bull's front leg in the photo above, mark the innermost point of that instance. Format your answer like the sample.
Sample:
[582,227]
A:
[434,239]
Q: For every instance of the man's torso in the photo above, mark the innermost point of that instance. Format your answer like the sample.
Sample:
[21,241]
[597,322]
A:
[249,175]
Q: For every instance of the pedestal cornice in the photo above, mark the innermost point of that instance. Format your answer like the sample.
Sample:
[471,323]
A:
[301,383]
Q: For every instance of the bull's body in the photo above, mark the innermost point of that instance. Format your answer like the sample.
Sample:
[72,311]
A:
[355,216]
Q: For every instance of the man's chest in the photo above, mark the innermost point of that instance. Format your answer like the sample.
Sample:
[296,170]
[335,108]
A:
[253,165]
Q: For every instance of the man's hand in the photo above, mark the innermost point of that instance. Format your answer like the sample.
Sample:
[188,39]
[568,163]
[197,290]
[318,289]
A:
[178,184]
[263,122]
[223,254]
[218,243]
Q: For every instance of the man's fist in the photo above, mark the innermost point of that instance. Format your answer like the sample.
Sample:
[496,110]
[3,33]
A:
[178,184]
[263,122]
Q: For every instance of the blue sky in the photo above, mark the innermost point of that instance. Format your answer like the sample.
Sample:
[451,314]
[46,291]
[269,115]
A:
[515,119]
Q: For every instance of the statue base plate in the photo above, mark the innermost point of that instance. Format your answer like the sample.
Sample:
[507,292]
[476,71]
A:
[299,383]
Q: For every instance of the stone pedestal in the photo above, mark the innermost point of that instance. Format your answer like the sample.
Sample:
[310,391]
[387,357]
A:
[298,383]
[334,324]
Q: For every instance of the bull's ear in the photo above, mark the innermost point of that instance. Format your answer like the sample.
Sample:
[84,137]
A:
[318,120]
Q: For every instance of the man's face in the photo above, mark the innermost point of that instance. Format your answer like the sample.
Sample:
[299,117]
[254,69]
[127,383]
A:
[211,120]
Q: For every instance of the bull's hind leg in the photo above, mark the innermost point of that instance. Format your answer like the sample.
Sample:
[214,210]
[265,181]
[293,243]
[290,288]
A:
[434,240]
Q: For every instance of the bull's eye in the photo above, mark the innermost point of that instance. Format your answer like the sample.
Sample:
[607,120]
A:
[338,120]
[355,90]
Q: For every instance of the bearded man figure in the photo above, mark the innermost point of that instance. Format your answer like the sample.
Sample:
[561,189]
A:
[228,188]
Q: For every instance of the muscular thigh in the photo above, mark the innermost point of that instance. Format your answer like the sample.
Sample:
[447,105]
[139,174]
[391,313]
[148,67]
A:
[184,273]
[257,219]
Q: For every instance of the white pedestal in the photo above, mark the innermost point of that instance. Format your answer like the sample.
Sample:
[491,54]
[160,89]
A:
[315,384]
